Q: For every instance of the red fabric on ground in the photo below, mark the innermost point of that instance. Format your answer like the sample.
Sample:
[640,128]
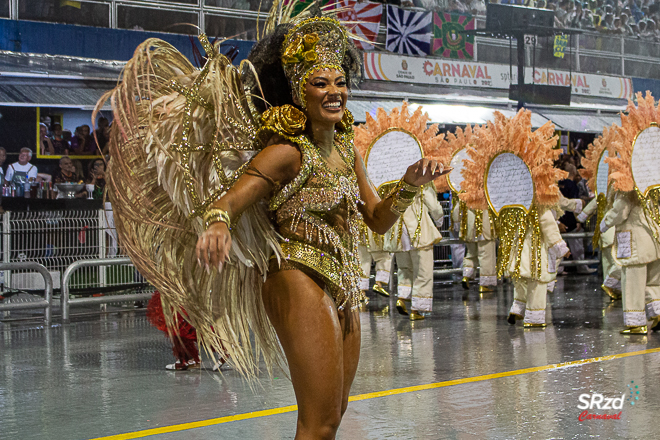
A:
[184,335]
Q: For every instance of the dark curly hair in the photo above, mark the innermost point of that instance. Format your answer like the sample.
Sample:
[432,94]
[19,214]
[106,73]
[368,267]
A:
[266,57]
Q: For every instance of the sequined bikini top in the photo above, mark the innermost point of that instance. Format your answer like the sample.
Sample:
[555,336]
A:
[317,214]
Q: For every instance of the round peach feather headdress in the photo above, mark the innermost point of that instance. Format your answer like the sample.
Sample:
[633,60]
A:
[513,135]
[455,142]
[639,117]
[433,144]
[594,152]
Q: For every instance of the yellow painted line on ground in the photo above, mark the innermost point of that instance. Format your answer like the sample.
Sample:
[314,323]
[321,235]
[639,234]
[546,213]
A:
[412,389]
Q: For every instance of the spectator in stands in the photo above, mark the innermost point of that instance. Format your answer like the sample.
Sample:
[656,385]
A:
[45,143]
[83,143]
[23,170]
[641,28]
[96,177]
[3,157]
[625,25]
[477,7]
[561,12]
[66,172]
[651,31]
[457,6]
[608,23]
[60,145]
[637,13]
[617,26]
[102,132]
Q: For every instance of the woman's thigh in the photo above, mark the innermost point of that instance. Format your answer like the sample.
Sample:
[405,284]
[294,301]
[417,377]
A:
[351,333]
[305,319]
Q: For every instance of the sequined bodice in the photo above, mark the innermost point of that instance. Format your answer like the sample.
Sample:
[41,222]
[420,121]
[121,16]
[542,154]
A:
[317,214]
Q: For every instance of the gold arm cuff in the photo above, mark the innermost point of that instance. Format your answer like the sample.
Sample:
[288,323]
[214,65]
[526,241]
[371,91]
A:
[403,195]
[216,215]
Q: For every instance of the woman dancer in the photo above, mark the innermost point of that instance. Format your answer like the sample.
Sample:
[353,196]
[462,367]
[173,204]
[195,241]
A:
[198,133]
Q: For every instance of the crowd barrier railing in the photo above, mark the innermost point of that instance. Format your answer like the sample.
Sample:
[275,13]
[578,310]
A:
[45,303]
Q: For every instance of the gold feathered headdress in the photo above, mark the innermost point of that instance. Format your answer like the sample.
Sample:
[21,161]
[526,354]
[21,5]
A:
[513,135]
[313,44]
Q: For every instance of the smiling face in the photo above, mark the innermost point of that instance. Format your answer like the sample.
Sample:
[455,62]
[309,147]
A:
[23,157]
[326,92]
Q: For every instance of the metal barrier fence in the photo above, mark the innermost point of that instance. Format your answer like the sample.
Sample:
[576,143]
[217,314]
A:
[21,303]
[66,301]
[59,240]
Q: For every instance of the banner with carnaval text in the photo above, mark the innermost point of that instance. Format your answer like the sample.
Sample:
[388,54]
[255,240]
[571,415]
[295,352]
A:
[381,66]
[448,41]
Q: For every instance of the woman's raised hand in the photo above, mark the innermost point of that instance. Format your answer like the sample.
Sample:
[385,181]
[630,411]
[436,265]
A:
[424,171]
[213,246]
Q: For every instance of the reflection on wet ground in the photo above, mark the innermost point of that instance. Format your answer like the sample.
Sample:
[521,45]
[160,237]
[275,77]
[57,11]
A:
[103,377]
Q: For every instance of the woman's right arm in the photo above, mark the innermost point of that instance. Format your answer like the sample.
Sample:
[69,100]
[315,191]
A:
[279,163]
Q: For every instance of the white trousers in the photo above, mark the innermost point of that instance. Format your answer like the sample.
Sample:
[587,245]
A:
[383,264]
[415,278]
[529,300]
[481,254]
[641,293]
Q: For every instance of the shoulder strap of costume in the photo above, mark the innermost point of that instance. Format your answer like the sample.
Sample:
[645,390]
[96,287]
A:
[307,151]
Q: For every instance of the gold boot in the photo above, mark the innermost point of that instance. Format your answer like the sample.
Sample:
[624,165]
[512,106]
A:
[486,289]
[379,289]
[635,330]
[465,282]
[416,316]
[611,292]
[401,307]
[533,325]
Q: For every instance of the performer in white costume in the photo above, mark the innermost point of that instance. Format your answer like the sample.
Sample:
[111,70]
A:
[382,141]
[596,170]
[510,171]
[474,227]
[635,181]
[383,262]
[414,253]
[570,205]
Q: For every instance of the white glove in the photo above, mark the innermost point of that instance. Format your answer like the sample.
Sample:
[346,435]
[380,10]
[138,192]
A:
[558,250]
[603,227]
[578,206]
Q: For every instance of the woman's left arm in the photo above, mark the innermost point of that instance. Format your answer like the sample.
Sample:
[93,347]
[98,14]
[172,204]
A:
[378,214]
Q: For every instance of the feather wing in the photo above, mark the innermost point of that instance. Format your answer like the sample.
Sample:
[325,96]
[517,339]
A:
[180,138]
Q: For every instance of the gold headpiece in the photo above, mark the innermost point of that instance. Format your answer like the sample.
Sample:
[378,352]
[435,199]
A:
[313,44]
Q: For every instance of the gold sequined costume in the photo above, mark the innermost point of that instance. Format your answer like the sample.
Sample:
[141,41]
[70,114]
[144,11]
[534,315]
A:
[181,138]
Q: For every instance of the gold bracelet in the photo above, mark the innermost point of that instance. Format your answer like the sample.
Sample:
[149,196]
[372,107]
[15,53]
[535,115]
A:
[216,215]
[403,195]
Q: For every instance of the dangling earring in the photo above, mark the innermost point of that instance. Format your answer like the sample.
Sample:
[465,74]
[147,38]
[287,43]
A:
[346,123]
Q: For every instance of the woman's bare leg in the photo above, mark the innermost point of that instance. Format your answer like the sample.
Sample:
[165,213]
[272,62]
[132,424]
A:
[307,325]
[351,331]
